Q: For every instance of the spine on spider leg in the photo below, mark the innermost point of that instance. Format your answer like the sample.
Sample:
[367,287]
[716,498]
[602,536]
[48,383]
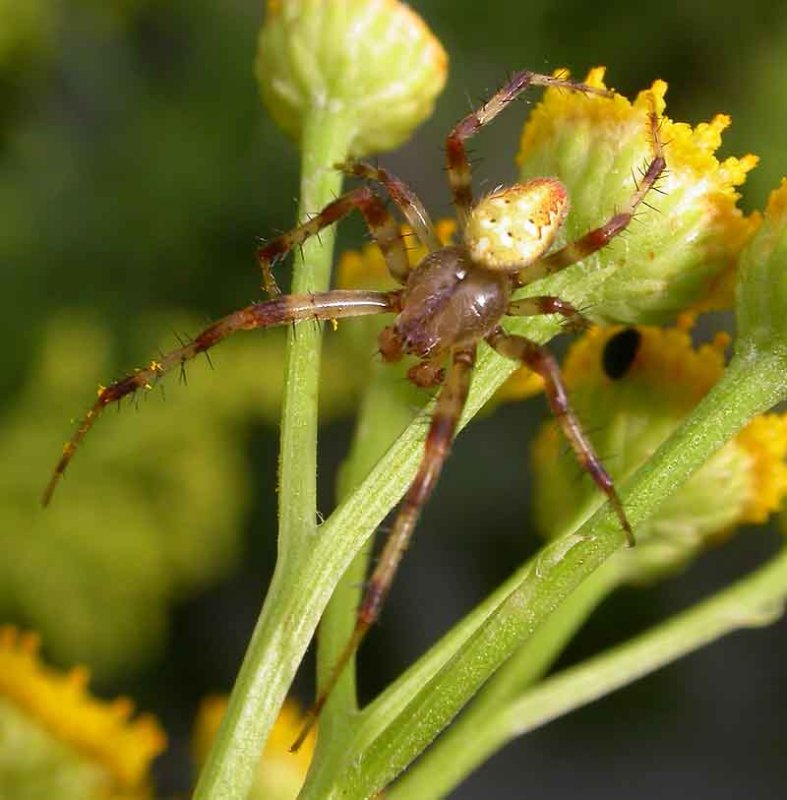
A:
[457,162]
[140,379]
[600,237]
[278,311]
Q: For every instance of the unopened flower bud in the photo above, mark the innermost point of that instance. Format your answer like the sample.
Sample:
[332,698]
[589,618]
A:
[376,62]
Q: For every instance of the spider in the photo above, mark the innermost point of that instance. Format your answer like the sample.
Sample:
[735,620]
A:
[453,300]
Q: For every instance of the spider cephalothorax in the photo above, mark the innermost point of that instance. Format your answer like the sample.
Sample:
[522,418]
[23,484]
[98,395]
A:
[457,294]
[454,300]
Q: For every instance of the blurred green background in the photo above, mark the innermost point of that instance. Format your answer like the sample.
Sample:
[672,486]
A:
[137,167]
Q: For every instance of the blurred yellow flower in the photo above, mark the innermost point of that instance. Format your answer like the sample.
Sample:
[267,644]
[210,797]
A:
[55,733]
[280,773]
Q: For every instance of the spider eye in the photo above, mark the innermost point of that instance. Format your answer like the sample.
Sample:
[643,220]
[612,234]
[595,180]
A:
[514,226]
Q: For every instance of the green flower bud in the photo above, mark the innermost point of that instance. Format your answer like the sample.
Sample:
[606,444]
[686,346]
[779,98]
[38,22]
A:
[761,300]
[632,387]
[377,62]
[682,249]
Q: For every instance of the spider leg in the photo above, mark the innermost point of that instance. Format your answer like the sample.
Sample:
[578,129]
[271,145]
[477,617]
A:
[459,173]
[281,310]
[538,305]
[450,403]
[405,198]
[381,225]
[540,360]
[600,237]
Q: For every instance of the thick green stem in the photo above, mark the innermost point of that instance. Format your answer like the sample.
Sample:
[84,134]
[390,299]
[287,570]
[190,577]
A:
[456,753]
[752,602]
[298,596]
[280,639]
[384,414]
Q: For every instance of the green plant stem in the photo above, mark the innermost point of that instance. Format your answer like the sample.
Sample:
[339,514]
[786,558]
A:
[297,598]
[752,602]
[325,141]
[384,413]
[279,642]
[748,387]
[456,753]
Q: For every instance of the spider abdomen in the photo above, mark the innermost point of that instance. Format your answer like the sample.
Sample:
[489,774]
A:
[515,225]
[448,301]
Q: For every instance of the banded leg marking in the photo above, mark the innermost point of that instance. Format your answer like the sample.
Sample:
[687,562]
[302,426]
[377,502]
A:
[540,360]
[281,310]
[381,225]
[405,198]
[445,418]
[546,304]
[459,173]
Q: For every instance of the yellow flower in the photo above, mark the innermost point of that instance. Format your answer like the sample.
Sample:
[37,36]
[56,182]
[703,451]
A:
[280,773]
[67,739]
[632,387]
[765,440]
[683,256]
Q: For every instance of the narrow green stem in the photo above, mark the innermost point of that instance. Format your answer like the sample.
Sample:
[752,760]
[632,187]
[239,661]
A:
[747,388]
[384,413]
[278,643]
[325,141]
[752,602]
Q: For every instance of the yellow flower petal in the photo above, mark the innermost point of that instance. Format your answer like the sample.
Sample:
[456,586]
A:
[666,361]
[101,731]
[765,440]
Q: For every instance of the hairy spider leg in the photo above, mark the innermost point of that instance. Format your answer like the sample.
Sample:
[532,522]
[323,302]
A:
[538,305]
[457,162]
[541,361]
[383,227]
[405,198]
[281,310]
[600,237]
[445,418]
